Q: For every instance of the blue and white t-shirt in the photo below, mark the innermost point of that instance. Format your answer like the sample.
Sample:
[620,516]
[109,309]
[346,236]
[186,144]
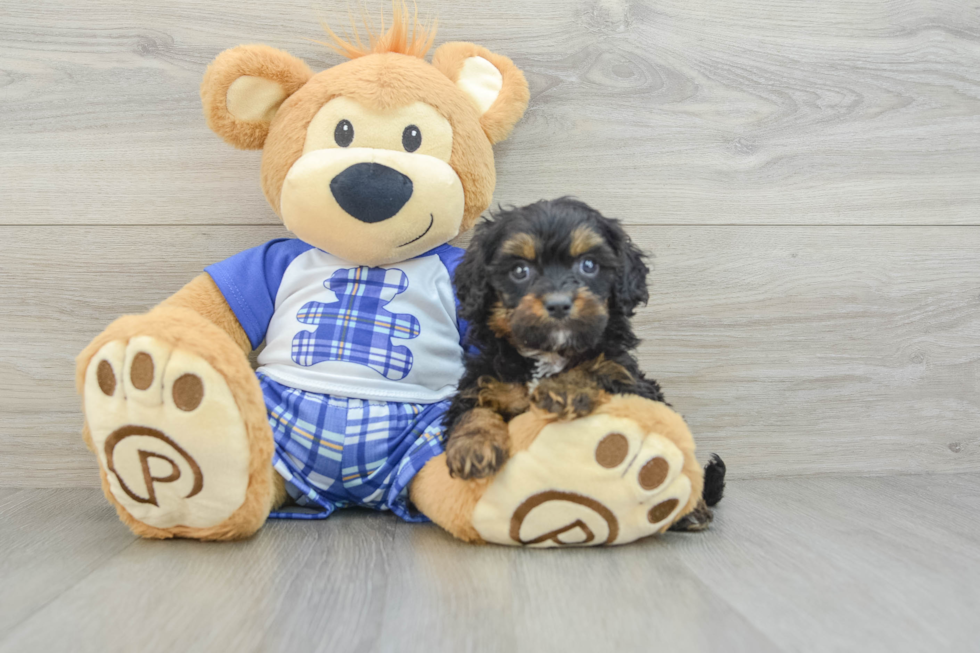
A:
[388,333]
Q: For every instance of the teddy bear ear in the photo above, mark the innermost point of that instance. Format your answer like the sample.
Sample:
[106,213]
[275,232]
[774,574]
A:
[244,86]
[492,81]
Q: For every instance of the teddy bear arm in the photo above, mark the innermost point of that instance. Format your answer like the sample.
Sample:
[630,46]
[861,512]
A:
[203,296]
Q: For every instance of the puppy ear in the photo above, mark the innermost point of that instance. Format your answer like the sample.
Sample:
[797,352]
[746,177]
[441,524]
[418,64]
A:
[472,280]
[631,287]
[243,88]
[492,81]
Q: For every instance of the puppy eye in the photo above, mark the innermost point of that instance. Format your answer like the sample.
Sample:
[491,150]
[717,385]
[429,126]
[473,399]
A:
[588,266]
[344,133]
[520,272]
[411,138]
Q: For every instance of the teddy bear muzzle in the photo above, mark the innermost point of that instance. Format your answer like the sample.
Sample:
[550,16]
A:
[372,206]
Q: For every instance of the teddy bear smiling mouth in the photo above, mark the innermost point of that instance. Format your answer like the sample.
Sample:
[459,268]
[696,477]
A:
[432,221]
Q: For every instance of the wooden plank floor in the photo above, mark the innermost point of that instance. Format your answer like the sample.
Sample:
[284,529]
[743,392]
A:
[807,564]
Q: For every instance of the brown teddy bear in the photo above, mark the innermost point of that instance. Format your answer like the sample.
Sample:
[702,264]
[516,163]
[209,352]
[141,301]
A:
[373,164]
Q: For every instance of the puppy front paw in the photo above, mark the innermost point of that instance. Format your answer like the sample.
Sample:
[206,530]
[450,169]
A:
[566,400]
[478,446]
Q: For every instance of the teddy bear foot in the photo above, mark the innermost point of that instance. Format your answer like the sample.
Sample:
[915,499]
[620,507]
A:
[175,451]
[609,478]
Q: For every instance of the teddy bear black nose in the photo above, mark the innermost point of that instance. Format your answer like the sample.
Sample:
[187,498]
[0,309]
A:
[371,192]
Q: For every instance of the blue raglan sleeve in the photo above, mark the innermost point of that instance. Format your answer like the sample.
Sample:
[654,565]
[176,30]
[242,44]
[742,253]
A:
[450,257]
[250,281]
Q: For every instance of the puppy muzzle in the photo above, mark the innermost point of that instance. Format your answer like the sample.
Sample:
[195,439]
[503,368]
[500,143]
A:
[559,321]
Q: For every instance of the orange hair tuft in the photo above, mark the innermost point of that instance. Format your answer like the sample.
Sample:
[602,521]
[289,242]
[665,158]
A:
[405,36]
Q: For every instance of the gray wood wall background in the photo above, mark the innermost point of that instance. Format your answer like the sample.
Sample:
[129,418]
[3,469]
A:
[806,175]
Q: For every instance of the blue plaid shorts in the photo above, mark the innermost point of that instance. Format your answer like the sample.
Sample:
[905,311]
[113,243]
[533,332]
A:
[336,452]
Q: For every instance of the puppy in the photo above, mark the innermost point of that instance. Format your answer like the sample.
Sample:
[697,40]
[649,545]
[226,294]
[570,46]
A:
[548,291]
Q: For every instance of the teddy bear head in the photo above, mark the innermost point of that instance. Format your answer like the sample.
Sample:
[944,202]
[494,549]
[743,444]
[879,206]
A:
[380,158]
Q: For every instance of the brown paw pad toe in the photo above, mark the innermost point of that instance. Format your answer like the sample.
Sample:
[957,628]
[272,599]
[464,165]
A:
[188,391]
[612,450]
[662,511]
[653,473]
[106,378]
[141,371]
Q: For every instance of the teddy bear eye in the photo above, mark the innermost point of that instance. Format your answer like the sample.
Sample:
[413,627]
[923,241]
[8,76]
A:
[411,138]
[344,133]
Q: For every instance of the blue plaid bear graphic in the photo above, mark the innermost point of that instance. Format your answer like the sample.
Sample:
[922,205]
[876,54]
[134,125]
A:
[357,328]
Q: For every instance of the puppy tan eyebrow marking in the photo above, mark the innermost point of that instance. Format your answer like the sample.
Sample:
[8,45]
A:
[584,239]
[523,245]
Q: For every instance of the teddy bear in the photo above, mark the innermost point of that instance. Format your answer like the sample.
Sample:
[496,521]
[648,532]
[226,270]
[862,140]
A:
[373,165]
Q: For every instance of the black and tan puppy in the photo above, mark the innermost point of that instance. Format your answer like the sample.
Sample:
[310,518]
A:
[548,291]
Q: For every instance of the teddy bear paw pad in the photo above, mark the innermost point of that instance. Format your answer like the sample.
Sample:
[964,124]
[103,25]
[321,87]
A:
[595,480]
[168,434]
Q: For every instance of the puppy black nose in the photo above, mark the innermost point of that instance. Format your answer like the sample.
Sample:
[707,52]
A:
[558,305]
[371,192]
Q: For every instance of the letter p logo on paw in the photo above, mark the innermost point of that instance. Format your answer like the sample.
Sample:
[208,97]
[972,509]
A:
[159,448]
[596,480]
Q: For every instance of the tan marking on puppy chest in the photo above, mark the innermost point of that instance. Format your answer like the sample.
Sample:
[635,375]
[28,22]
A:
[523,245]
[584,239]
